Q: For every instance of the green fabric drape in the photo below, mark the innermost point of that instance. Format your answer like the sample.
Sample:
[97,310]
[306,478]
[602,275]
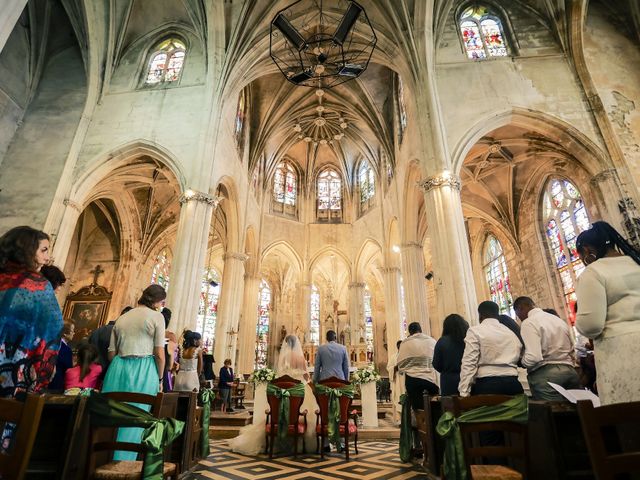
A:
[158,432]
[284,394]
[206,397]
[333,428]
[406,435]
[513,410]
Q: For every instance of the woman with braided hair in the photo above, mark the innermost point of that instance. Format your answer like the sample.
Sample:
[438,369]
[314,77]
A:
[608,293]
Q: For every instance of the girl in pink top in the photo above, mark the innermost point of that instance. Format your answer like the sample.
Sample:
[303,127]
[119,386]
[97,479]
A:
[86,373]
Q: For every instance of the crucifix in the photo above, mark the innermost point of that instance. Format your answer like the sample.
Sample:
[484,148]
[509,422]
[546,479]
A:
[96,273]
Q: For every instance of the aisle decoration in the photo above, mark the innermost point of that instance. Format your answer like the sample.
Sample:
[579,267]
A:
[205,398]
[333,428]
[284,394]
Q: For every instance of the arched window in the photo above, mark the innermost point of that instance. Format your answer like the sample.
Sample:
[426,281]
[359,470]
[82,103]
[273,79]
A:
[165,63]
[403,309]
[368,320]
[402,109]
[482,33]
[329,196]
[161,269]
[262,329]
[285,189]
[495,268]
[366,185]
[314,321]
[240,115]
[208,307]
[564,217]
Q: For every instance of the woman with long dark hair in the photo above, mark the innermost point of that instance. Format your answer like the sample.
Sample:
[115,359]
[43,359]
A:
[608,293]
[447,355]
[188,377]
[86,372]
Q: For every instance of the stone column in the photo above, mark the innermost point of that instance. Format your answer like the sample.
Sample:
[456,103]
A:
[356,311]
[393,309]
[62,242]
[415,293]
[247,333]
[453,276]
[229,307]
[9,14]
[189,257]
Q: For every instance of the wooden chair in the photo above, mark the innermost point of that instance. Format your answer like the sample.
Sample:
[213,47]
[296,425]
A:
[612,438]
[295,427]
[102,439]
[434,448]
[237,398]
[26,417]
[474,453]
[348,417]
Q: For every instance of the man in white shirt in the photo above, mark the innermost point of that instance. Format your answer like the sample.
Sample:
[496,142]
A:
[548,350]
[491,354]
[415,359]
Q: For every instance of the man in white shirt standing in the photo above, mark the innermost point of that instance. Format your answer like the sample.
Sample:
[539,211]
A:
[491,354]
[548,350]
[415,359]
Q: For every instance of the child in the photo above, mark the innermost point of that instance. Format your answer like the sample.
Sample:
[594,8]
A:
[85,373]
[225,385]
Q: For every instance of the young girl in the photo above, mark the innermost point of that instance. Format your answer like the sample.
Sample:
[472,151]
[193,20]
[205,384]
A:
[188,377]
[85,373]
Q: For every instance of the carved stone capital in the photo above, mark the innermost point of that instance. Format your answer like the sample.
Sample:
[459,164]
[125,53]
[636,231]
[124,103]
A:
[243,257]
[70,203]
[439,181]
[357,285]
[603,176]
[409,245]
[390,269]
[194,196]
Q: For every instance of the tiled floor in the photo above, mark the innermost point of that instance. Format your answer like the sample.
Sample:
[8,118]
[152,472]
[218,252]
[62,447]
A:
[375,460]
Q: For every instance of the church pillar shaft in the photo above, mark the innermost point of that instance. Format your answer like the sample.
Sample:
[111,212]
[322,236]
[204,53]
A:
[247,332]
[9,14]
[453,276]
[415,294]
[304,323]
[356,312]
[393,309]
[62,242]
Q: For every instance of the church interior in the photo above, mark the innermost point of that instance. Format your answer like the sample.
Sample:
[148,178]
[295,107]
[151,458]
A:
[452,157]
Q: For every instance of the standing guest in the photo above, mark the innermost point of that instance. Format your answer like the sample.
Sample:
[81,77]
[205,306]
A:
[101,337]
[447,354]
[55,276]
[415,360]
[609,296]
[397,384]
[548,351]
[491,354]
[225,385]
[65,357]
[136,352]
[207,367]
[30,316]
[188,377]
[86,373]
[331,360]
[170,352]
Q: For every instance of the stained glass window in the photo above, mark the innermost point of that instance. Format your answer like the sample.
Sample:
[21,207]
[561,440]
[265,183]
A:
[262,329]
[208,307]
[284,184]
[366,185]
[161,269]
[403,308]
[329,195]
[497,275]
[368,321]
[565,217]
[402,108]
[314,323]
[166,62]
[240,114]
[482,34]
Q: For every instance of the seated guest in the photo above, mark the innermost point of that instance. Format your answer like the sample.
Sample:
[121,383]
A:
[548,351]
[447,355]
[491,355]
[86,373]
[225,384]
[415,362]
[65,357]
[101,337]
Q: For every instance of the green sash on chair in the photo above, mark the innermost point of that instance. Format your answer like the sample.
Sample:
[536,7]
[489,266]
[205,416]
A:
[334,407]
[284,394]
[158,432]
[406,435]
[513,410]
[206,397]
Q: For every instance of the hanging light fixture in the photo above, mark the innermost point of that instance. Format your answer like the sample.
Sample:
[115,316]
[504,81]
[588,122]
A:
[317,43]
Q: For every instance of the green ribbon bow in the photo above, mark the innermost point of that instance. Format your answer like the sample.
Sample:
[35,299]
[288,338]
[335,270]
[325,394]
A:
[406,437]
[205,398]
[333,428]
[284,394]
[513,410]
[158,432]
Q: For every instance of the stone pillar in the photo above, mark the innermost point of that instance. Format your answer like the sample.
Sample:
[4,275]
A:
[453,276]
[393,309]
[415,293]
[62,242]
[9,14]
[229,307]
[356,312]
[247,333]
[189,257]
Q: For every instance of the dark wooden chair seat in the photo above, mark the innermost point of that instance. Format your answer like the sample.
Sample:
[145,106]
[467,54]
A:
[494,472]
[123,470]
[297,421]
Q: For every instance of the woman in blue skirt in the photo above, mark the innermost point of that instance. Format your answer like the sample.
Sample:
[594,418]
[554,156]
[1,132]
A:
[137,356]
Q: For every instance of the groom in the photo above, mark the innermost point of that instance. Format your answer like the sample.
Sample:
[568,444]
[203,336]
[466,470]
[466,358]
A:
[331,360]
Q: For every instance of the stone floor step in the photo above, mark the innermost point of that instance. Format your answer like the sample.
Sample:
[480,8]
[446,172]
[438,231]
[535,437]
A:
[234,419]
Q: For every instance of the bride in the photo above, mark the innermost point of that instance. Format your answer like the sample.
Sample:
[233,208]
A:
[251,439]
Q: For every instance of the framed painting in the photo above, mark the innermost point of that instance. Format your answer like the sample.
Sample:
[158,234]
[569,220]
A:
[87,309]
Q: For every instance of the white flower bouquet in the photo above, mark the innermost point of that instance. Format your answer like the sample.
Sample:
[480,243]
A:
[365,375]
[262,375]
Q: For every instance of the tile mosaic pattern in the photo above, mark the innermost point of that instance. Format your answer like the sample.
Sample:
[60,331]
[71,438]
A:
[375,460]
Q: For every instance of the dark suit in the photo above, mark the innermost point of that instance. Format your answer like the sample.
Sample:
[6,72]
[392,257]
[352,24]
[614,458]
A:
[63,363]
[101,338]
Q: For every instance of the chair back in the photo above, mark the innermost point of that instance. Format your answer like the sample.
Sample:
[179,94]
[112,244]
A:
[155,401]
[295,403]
[26,417]
[323,400]
[611,432]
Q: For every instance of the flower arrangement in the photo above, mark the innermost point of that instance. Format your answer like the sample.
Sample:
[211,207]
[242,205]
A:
[262,375]
[365,375]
